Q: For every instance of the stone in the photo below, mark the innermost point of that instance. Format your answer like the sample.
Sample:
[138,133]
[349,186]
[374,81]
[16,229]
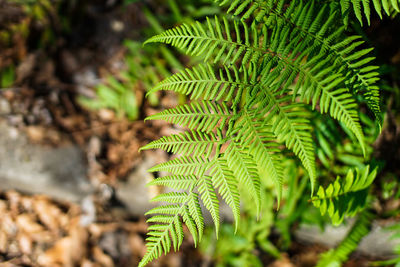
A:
[377,243]
[36,169]
[134,193]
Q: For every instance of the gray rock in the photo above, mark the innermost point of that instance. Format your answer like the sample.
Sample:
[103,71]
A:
[377,243]
[134,193]
[5,107]
[35,169]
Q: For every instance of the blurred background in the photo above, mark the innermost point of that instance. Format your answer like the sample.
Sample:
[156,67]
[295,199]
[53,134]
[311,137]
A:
[73,79]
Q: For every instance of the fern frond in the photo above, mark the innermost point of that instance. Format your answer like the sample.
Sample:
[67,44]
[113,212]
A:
[165,210]
[193,143]
[346,56]
[338,102]
[362,8]
[359,75]
[259,142]
[204,116]
[248,103]
[289,123]
[159,241]
[318,31]
[225,182]
[202,82]
[288,64]
[346,196]
[184,166]
[244,168]
[245,9]
[335,257]
[171,197]
[168,230]
[195,211]
[216,40]
[175,181]
[210,200]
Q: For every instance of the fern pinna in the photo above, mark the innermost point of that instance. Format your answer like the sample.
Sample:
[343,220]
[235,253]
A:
[262,67]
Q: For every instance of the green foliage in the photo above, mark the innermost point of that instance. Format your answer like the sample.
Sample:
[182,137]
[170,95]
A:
[119,93]
[390,189]
[206,116]
[145,66]
[239,249]
[231,249]
[266,71]
[7,77]
[363,8]
[296,207]
[345,196]
[116,96]
[335,257]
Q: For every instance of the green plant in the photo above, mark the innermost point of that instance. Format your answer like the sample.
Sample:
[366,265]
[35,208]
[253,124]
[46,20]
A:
[7,77]
[346,196]
[114,95]
[238,249]
[363,7]
[268,69]
[145,66]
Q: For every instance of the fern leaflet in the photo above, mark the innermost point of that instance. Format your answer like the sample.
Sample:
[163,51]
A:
[346,196]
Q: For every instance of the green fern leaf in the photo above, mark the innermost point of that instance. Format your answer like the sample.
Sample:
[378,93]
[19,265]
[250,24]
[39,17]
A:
[193,143]
[245,170]
[204,116]
[215,40]
[345,197]
[319,35]
[289,124]
[361,8]
[195,212]
[337,102]
[210,200]
[184,166]
[202,82]
[226,184]
[378,7]
[166,210]
[171,197]
[245,9]
[175,181]
[191,224]
[167,230]
[258,141]
[160,235]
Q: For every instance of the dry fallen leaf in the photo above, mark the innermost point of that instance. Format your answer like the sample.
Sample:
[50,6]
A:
[25,243]
[102,258]
[27,224]
[137,244]
[3,241]
[88,263]
[283,262]
[48,214]
[35,133]
[79,237]
[60,253]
